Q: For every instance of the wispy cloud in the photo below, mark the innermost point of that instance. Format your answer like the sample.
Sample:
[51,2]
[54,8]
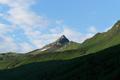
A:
[30,24]
[20,16]
[92,29]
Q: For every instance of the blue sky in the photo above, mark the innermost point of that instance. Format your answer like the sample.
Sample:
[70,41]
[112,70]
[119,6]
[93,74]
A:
[26,25]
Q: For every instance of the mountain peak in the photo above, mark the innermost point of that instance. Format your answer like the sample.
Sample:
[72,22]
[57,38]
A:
[62,40]
[55,45]
[63,36]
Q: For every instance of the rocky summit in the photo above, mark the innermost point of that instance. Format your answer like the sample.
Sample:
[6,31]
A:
[62,40]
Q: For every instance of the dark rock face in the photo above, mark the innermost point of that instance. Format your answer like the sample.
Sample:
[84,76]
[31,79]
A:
[56,45]
[62,40]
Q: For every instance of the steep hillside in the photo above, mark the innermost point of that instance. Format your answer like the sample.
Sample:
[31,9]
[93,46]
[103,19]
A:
[103,40]
[98,42]
[61,44]
[103,65]
[63,49]
[70,46]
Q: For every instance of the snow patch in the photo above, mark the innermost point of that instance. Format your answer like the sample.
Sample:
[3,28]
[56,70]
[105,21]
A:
[44,49]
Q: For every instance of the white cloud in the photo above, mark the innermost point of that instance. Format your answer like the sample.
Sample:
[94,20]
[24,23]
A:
[70,33]
[76,36]
[92,29]
[20,16]
[59,22]
[25,47]
[3,28]
[7,44]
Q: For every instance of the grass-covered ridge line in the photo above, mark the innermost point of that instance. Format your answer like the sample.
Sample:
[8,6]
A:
[68,49]
[103,65]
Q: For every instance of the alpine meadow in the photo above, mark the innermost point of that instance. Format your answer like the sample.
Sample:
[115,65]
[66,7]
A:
[59,40]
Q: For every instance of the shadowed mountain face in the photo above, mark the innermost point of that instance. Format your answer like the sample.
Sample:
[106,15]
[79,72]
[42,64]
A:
[62,40]
[103,65]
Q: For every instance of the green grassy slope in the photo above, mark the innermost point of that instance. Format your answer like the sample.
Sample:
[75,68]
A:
[8,60]
[69,51]
[70,46]
[103,40]
[98,42]
[65,55]
[103,65]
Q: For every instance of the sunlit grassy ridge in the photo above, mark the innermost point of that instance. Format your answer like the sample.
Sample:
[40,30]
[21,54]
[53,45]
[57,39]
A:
[103,40]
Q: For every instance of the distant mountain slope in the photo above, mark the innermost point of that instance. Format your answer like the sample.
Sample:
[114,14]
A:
[103,40]
[70,46]
[63,49]
[8,60]
[98,42]
[56,45]
[60,44]
[103,65]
